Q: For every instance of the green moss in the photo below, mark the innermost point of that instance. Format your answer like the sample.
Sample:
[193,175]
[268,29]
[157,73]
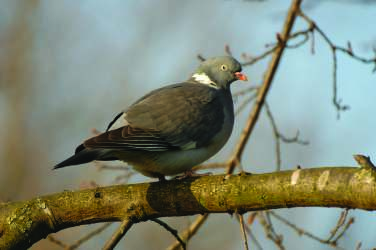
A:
[365,175]
[20,219]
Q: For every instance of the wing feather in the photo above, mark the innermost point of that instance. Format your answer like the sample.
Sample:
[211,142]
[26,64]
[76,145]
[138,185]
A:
[129,138]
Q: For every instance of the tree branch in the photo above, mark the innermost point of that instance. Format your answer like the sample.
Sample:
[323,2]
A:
[120,232]
[24,223]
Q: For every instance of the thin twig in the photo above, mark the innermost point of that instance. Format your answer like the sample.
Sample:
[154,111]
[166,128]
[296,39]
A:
[119,233]
[56,241]
[341,221]
[242,229]
[280,137]
[228,50]
[245,91]
[214,165]
[312,43]
[330,241]
[299,43]
[276,136]
[358,246]
[187,235]
[252,60]
[269,220]
[269,230]
[298,230]
[124,178]
[88,236]
[250,233]
[172,231]
[200,58]
[101,166]
[344,230]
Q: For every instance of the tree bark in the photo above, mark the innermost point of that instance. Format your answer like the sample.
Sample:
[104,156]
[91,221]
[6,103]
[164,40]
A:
[26,222]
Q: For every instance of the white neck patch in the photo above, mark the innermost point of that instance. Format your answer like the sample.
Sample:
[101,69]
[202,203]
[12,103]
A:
[204,79]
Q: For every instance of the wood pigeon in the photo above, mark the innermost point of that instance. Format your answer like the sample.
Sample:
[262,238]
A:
[171,129]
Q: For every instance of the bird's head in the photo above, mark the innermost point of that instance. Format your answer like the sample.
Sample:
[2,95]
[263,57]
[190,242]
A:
[219,72]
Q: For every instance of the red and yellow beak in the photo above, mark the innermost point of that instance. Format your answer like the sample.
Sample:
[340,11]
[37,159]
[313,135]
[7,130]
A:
[241,76]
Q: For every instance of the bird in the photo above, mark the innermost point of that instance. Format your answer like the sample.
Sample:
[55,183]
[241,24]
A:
[171,129]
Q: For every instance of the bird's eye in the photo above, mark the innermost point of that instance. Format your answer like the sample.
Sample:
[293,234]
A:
[224,67]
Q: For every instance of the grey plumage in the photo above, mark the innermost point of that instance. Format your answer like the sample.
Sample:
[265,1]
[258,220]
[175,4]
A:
[171,129]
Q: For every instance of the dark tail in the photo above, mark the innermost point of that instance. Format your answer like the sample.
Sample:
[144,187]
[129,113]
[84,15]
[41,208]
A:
[82,155]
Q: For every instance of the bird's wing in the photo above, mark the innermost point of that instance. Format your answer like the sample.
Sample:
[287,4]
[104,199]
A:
[184,116]
[128,138]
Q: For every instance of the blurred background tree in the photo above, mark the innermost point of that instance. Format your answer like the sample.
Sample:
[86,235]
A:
[69,66]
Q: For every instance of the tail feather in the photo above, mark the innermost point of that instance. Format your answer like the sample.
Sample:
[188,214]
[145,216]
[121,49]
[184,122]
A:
[84,155]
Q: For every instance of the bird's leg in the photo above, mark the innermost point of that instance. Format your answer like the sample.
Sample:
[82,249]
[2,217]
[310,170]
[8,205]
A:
[162,178]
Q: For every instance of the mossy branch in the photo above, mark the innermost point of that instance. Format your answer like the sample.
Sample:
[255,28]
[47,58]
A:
[24,223]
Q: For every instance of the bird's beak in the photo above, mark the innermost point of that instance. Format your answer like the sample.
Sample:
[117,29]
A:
[241,76]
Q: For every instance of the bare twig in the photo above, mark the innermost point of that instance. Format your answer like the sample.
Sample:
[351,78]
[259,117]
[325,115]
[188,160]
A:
[95,131]
[344,230]
[200,58]
[298,230]
[128,171]
[331,241]
[341,221]
[312,43]
[215,165]
[269,230]
[56,241]
[280,137]
[249,231]
[88,236]
[124,177]
[171,230]
[299,43]
[249,60]
[245,91]
[120,232]
[242,229]
[187,235]
[358,246]
[103,166]
[228,50]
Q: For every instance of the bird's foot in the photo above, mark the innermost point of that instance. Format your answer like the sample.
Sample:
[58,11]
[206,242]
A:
[161,178]
[241,173]
[190,173]
[244,173]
